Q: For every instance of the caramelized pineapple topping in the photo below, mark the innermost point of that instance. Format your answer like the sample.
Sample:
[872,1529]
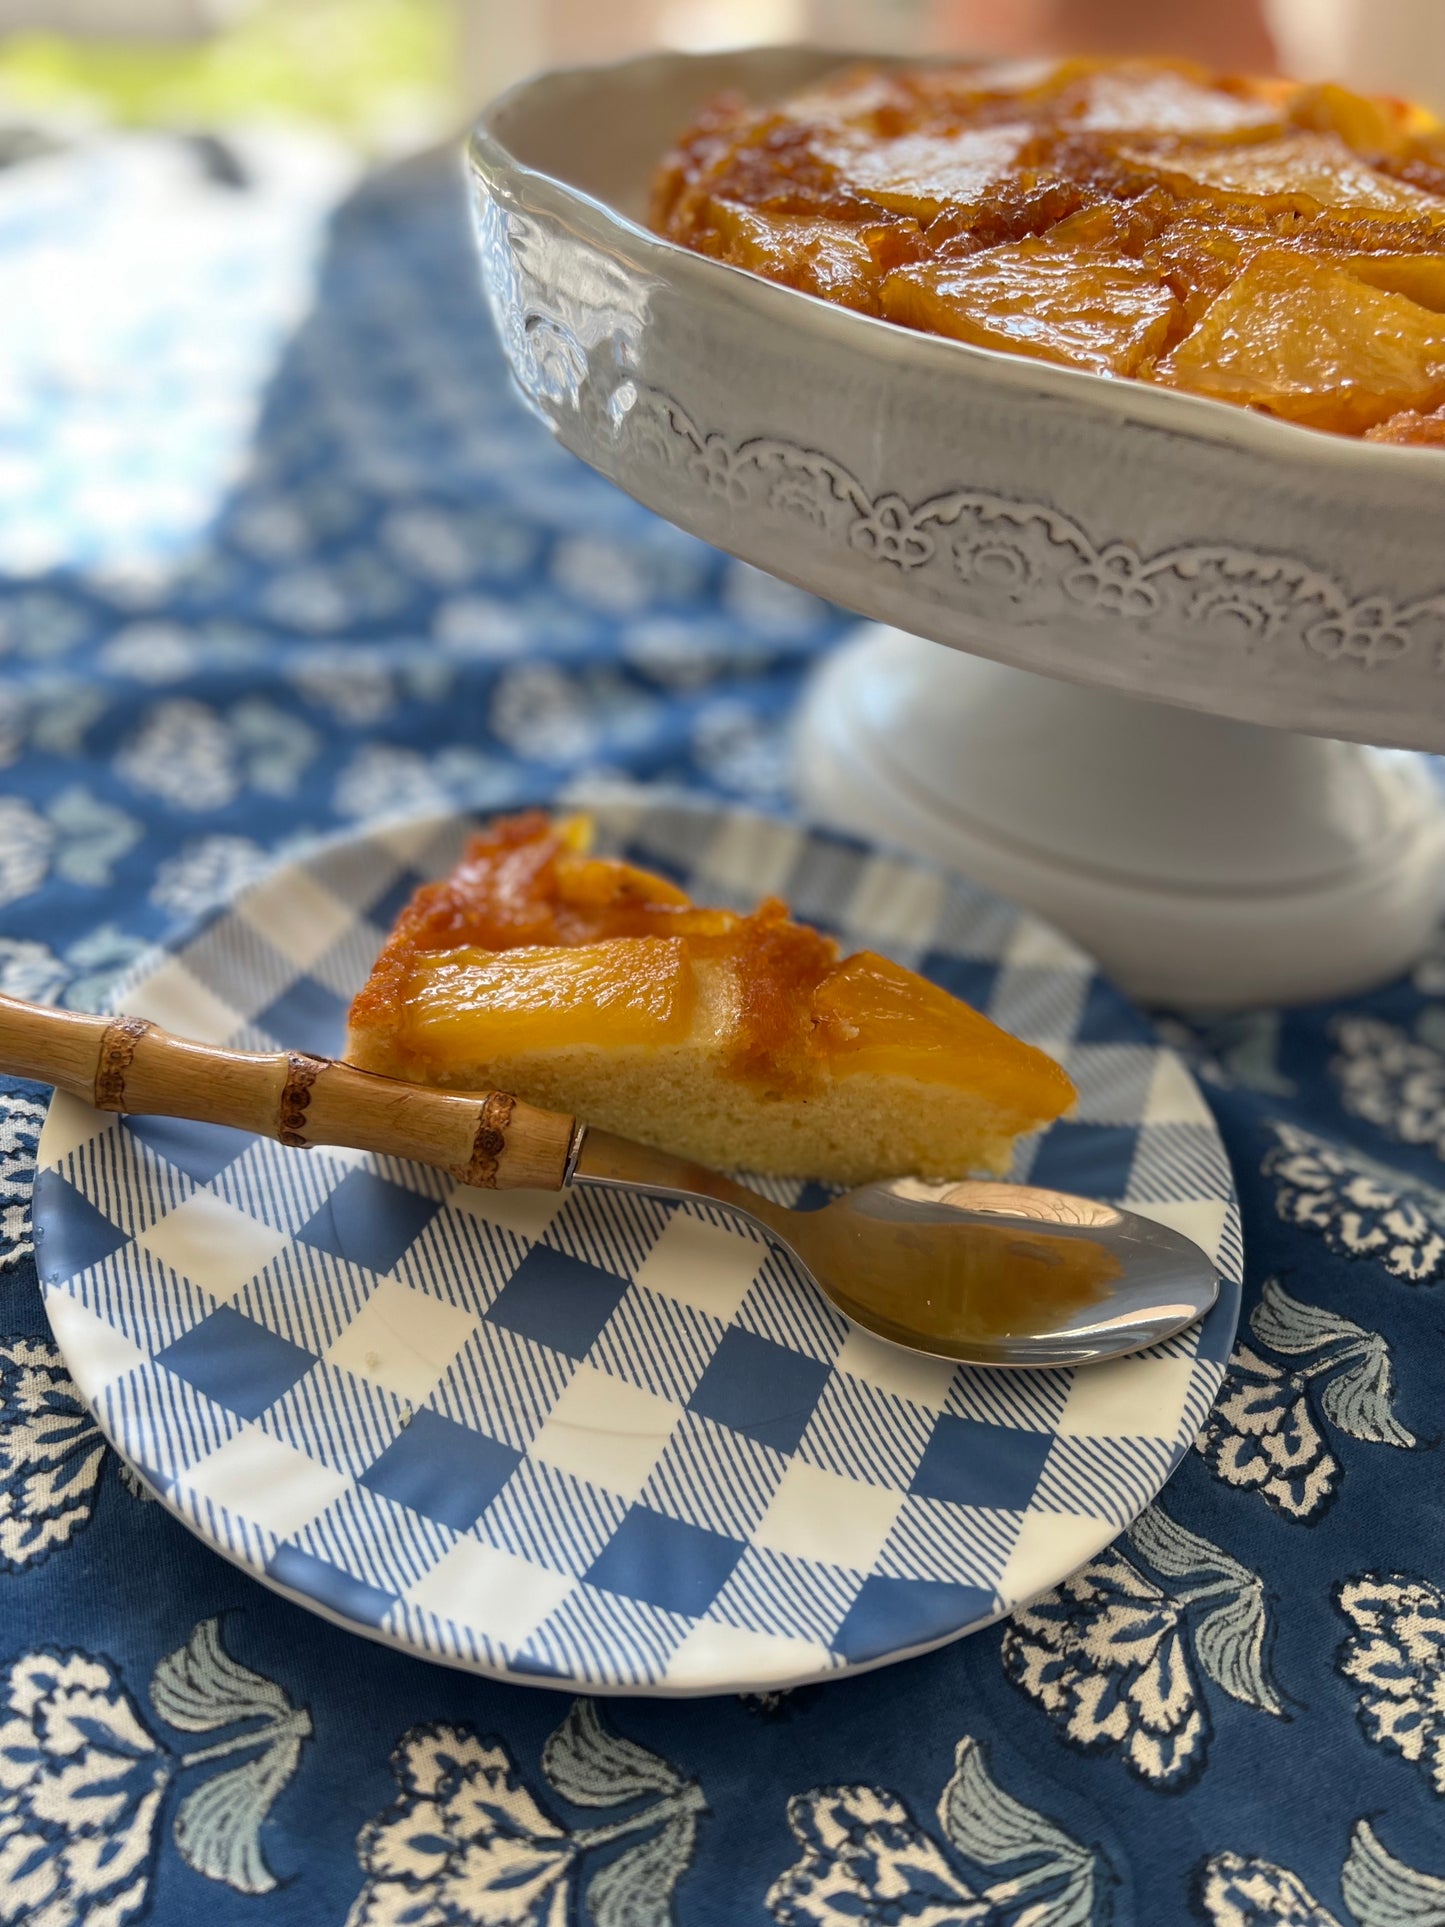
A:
[1274,245]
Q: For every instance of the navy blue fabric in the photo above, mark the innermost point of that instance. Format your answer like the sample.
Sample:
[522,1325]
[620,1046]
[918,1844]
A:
[1235,1715]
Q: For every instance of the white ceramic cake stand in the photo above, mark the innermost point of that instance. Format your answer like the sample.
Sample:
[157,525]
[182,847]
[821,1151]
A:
[1203,862]
[1183,623]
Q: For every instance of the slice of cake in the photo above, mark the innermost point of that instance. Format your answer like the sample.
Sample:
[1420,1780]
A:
[588,986]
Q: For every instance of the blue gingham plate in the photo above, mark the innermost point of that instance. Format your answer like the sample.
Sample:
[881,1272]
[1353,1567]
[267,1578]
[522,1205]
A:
[589,1441]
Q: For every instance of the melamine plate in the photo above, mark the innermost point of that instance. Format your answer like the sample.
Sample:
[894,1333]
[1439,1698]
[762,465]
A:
[594,1441]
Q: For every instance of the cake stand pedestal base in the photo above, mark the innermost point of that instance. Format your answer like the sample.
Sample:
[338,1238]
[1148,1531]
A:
[1206,864]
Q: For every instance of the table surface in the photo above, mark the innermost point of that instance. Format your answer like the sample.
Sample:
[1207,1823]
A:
[278,553]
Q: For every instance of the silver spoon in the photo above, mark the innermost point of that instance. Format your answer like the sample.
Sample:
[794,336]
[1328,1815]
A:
[972,1269]
[980,1271]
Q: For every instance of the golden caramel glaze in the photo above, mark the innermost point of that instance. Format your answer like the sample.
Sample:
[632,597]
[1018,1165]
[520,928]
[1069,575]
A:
[1411,430]
[625,990]
[532,943]
[1261,242]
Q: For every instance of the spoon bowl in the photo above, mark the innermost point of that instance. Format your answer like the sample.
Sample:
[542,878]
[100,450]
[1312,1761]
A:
[975,1270]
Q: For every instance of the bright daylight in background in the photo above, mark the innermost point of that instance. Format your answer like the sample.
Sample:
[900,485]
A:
[395,73]
[124,412]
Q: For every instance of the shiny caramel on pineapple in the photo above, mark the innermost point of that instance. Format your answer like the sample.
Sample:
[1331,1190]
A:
[1260,242]
[532,943]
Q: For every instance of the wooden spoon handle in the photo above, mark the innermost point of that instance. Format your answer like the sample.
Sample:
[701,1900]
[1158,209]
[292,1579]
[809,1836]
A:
[129,1064]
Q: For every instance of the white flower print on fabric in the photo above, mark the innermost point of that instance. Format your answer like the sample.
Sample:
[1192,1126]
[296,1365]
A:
[208,871]
[42,625]
[62,710]
[1113,1658]
[1391,1080]
[79,837]
[866,1862]
[90,837]
[468,1844]
[348,683]
[770,606]
[1361,1209]
[83,1780]
[1267,1430]
[30,969]
[334,595]
[81,1787]
[79,979]
[1379,1891]
[181,753]
[50,1454]
[448,547]
[47,712]
[1234,1891]
[273,747]
[541,712]
[1396,1656]
[682,656]
[25,843]
[623,580]
[479,627]
[268,526]
[20,1122]
[96,960]
[150,652]
[750,755]
[191,756]
[383,779]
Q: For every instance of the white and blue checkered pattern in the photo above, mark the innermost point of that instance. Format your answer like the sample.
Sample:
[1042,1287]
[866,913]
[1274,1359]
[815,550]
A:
[594,1440]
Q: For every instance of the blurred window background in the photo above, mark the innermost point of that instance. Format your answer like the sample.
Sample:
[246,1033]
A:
[393,75]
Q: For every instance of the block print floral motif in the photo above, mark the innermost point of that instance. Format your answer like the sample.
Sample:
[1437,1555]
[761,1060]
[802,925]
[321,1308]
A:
[50,1454]
[80,978]
[385,779]
[866,1862]
[42,624]
[1268,1431]
[31,969]
[551,715]
[1361,1209]
[468,1844]
[739,750]
[1395,1655]
[25,844]
[1379,1891]
[206,872]
[196,758]
[84,1780]
[353,689]
[95,962]
[20,1122]
[90,837]
[78,837]
[1114,1658]
[1391,1080]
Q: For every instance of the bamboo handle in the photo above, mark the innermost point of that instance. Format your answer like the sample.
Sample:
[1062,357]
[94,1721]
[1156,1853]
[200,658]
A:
[130,1064]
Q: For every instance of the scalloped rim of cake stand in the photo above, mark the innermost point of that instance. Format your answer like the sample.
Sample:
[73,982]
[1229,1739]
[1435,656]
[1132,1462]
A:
[1134,516]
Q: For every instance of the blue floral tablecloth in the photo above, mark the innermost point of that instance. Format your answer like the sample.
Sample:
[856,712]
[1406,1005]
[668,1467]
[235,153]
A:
[281,553]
